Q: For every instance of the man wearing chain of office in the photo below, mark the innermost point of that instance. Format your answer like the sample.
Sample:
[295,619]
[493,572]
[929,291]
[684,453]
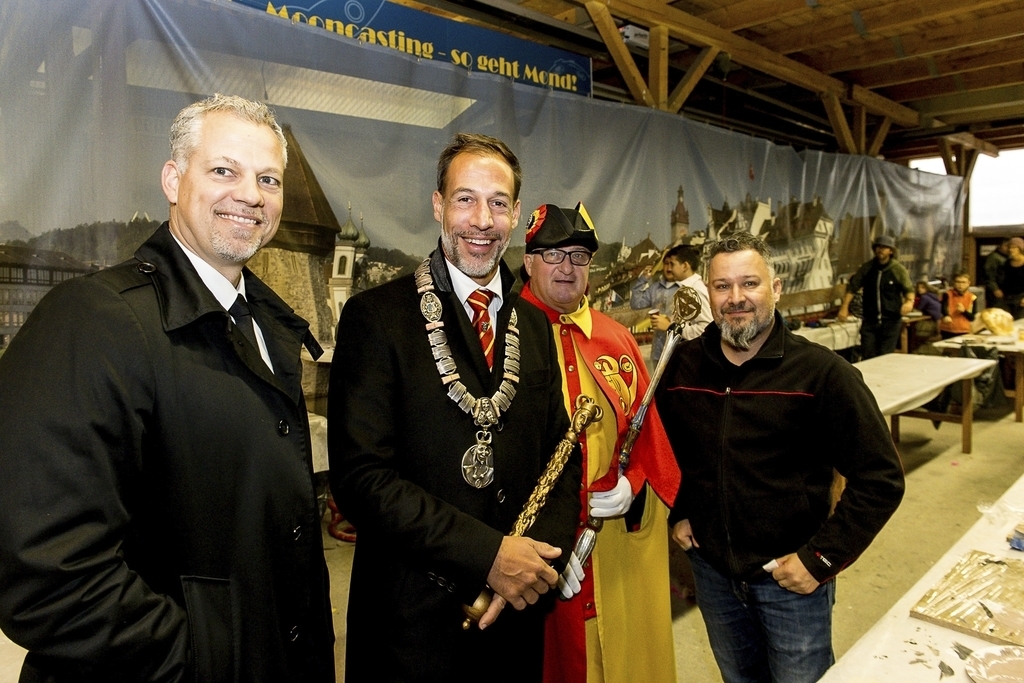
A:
[445,406]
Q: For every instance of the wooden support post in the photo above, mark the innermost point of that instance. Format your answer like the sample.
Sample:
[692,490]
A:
[836,116]
[605,25]
[859,128]
[967,413]
[879,137]
[657,66]
[693,75]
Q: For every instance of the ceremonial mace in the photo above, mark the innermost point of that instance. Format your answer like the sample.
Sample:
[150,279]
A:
[586,412]
[685,307]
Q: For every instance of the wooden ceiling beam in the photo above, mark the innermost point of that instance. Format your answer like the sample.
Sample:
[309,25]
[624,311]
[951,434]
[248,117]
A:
[1012,110]
[692,77]
[919,43]
[973,101]
[998,76]
[693,30]
[973,58]
[876,20]
[973,142]
[605,25]
[877,103]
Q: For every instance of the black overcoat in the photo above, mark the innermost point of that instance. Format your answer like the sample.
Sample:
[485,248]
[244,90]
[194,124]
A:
[158,520]
[426,539]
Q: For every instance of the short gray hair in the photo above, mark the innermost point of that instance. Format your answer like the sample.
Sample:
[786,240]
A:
[742,241]
[185,129]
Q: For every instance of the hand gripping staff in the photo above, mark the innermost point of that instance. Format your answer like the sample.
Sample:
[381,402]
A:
[586,412]
[685,307]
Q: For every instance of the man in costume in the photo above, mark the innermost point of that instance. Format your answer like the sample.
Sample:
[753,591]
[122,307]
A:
[158,519]
[759,419]
[615,621]
[445,406]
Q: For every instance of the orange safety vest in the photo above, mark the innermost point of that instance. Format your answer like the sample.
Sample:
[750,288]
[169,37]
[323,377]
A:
[959,323]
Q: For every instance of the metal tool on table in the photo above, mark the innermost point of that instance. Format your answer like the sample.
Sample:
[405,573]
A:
[685,307]
[587,411]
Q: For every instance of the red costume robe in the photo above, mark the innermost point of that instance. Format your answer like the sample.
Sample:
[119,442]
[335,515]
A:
[619,627]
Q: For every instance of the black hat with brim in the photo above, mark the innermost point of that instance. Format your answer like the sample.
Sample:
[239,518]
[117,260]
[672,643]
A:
[549,226]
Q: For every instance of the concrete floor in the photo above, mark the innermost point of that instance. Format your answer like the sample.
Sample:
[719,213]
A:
[944,491]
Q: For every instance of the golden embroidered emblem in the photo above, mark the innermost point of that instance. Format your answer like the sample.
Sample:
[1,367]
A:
[621,374]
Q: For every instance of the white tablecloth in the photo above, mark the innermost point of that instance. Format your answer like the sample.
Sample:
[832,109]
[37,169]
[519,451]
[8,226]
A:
[834,335]
[908,650]
[902,382]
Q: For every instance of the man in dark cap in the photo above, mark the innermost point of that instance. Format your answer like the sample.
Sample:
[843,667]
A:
[888,295]
[614,622]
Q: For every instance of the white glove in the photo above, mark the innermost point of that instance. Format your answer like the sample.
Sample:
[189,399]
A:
[612,503]
[569,581]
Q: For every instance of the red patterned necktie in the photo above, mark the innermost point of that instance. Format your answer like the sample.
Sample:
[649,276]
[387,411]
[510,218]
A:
[479,301]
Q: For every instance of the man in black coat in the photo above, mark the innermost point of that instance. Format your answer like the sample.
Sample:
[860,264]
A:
[158,521]
[445,406]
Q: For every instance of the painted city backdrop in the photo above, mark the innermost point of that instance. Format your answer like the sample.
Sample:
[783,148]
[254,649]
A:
[88,91]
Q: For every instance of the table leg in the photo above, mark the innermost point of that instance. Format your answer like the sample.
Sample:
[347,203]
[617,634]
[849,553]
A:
[904,339]
[895,421]
[967,416]
[1018,388]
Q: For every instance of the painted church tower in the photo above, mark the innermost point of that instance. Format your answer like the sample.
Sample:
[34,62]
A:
[680,220]
[343,268]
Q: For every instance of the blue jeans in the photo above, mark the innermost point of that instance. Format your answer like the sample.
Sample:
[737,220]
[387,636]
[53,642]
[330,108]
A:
[761,632]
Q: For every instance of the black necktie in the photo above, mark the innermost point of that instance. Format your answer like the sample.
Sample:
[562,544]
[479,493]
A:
[243,318]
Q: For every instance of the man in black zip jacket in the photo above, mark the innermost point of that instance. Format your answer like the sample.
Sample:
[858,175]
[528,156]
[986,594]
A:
[758,419]
[888,295]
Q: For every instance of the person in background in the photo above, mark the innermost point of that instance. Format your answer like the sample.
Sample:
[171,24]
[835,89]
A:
[158,520]
[992,267]
[1011,279]
[747,407]
[680,268]
[445,406]
[927,301]
[615,621]
[959,306]
[888,295]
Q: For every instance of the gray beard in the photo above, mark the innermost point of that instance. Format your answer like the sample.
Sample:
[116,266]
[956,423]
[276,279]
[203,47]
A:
[231,251]
[471,267]
[741,336]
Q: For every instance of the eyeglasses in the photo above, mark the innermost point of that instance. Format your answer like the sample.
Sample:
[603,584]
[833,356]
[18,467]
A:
[555,256]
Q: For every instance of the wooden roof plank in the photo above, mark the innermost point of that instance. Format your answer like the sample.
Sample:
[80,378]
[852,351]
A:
[920,43]
[887,17]
[967,59]
[1010,74]
[747,13]
[694,30]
